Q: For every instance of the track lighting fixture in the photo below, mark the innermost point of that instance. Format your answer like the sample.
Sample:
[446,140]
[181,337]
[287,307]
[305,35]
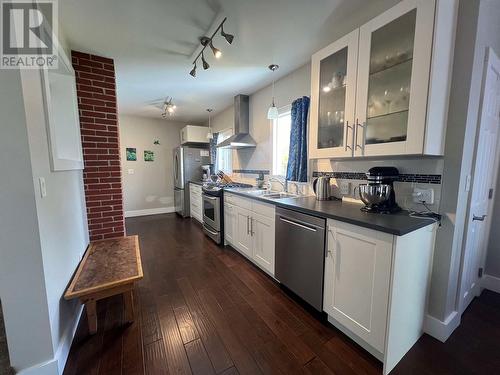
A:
[229,37]
[204,62]
[272,113]
[193,71]
[168,107]
[216,51]
[208,41]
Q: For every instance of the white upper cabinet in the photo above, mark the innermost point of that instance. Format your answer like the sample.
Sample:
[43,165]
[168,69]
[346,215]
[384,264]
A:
[333,94]
[383,89]
[393,79]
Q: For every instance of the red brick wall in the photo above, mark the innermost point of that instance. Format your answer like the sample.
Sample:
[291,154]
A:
[96,91]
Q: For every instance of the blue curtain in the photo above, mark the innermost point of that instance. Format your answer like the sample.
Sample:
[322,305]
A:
[213,152]
[297,158]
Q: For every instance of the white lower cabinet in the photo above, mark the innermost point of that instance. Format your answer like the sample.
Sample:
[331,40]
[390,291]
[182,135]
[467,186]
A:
[249,228]
[229,222]
[357,273]
[196,202]
[263,234]
[376,286]
[243,236]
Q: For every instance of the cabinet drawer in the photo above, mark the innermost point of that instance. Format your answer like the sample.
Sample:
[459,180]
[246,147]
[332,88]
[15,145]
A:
[240,202]
[264,209]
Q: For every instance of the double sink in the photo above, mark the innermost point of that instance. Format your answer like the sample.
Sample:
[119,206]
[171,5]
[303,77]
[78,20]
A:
[272,195]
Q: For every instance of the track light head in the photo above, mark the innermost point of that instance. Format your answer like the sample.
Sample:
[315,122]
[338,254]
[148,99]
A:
[216,51]
[204,62]
[193,71]
[229,37]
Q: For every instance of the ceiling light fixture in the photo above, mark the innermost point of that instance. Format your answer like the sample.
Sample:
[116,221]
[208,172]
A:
[204,62]
[168,108]
[229,37]
[210,135]
[208,42]
[272,113]
[193,71]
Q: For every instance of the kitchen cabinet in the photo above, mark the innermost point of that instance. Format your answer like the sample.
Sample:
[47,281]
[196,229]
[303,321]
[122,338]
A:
[333,96]
[250,229]
[377,91]
[376,286]
[229,222]
[357,271]
[191,134]
[243,238]
[196,202]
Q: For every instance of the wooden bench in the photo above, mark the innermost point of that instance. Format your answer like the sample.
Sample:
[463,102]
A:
[109,267]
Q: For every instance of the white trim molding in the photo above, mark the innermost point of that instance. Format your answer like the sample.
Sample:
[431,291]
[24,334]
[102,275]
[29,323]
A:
[47,368]
[65,344]
[150,211]
[491,283]
[439,329]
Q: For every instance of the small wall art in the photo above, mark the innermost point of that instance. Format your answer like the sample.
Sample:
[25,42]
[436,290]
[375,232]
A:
[131,154]
[149,155]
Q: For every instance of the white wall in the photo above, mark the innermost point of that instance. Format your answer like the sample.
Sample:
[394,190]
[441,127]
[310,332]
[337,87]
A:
[22,284]
[150,188]
[42,238]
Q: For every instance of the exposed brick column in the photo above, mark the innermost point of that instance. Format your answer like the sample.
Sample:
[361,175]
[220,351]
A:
[96,91]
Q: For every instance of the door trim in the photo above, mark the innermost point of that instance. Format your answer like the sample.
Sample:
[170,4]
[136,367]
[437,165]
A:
[491,59]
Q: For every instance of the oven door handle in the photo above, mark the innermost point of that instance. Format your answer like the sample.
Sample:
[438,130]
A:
[210,198]
[210,231]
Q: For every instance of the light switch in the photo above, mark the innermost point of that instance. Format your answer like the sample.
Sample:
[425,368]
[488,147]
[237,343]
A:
[43,187]
[130,171]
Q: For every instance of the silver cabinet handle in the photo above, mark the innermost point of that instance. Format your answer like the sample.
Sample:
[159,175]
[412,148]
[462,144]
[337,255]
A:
[297,224]
[248,226]
[251,227]
[478,218]
[363,127]
[347,136]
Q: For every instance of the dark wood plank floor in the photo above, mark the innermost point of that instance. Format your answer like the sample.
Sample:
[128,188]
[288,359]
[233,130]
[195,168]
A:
[206,310]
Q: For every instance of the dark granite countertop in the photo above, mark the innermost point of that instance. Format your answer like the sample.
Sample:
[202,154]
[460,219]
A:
[397,224]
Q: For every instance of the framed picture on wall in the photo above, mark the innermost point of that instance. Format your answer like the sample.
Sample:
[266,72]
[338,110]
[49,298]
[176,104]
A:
[149,155]
[131,154]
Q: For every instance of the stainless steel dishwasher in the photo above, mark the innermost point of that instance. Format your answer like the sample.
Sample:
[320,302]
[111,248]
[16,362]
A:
[300,254]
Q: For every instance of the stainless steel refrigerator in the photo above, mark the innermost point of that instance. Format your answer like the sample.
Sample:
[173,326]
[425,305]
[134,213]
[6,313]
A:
[187,167]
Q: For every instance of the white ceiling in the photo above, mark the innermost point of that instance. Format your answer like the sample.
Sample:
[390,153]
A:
[152,43]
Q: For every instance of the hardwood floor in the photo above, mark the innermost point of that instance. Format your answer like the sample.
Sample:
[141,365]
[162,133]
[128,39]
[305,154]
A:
[206,310]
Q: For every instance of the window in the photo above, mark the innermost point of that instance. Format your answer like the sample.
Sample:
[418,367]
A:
[281,141]
[224,155]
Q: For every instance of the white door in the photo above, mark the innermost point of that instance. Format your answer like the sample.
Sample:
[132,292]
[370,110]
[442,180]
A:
[357,280]
[262,229]
[243,237]
[486,166]
[229,223]
[393,78]
[333,95]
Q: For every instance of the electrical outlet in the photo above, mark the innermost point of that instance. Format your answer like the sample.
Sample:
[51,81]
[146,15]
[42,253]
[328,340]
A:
[345,188]
[423,195]
[130,171]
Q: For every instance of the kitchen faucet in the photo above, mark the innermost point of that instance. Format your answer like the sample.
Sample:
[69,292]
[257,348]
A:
[281,181]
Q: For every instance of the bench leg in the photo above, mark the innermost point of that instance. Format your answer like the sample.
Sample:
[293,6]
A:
[91,316]
[128,301]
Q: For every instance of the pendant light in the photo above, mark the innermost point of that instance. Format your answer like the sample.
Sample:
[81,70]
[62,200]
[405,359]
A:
[209,134]
[272,113]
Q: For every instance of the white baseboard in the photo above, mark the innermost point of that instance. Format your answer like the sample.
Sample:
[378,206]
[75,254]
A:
[150,211]
[65,344]
[491,283]
[439,329]
[47,368]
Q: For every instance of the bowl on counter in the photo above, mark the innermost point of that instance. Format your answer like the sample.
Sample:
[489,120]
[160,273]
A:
[374,194]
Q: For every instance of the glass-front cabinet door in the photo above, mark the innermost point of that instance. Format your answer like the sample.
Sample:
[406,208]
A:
[333,78]
[392,85]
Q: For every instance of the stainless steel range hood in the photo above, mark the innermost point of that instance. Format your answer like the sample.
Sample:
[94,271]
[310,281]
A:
[241,137]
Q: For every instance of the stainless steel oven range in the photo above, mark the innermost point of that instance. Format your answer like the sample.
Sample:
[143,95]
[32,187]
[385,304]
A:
[213,206]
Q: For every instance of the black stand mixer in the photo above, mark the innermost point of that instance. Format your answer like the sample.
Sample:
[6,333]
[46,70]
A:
[378,194]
